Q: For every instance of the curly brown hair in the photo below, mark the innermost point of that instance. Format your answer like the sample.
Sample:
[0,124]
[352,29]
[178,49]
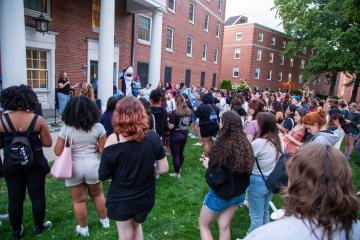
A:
[182,109]
[232,146]
[321,190]
[130,119]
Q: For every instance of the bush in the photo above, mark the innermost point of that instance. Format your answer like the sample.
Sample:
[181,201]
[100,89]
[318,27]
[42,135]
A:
[241,86]
[226,84]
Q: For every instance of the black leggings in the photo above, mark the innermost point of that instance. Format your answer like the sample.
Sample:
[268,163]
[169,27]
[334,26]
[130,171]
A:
[177,142]
[17,183]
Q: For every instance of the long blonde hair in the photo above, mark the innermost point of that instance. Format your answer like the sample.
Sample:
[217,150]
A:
[182,109]
[87,90]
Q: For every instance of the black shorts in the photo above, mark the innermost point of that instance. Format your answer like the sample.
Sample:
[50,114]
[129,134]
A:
[137,217]
[207,131]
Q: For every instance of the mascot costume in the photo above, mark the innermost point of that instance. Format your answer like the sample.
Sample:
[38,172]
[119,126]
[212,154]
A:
[127,80]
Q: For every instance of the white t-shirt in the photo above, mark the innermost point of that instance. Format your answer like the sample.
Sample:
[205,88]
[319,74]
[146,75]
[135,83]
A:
[292,228]
[265,152]
[170,105]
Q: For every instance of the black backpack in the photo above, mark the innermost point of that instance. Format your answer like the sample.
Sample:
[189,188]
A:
[19,152]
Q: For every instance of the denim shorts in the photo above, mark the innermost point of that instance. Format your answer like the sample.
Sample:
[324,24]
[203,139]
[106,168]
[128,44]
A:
[216,204]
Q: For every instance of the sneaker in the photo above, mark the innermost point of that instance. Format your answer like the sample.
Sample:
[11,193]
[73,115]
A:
[198,144]
[46,226]
[175,175]
[19,235]
[82,231]
[105,223]
[193,136]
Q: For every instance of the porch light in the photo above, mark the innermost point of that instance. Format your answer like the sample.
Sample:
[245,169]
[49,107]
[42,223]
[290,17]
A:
[41,23]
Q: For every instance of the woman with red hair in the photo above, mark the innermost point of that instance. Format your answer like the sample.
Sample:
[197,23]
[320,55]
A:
[128,160]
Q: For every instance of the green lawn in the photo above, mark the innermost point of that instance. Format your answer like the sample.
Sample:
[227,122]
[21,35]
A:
[175,215]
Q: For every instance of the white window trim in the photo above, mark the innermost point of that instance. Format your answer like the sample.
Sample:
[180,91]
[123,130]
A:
[257,77]
[236,36]
[235,53]
[271,57]
[218,28]
[259,59]
[302,65]
[141,41]
[33,13]
[193,16]
[281,76]
[300,78]
[291,62]
[273,43]
[304,50]
[192,41]
[173,10]
[216,60]
[282,59]
[207,25]
[270,71]
[262,37]
[284,44]
[219,9]
[290,77]
[172,40]
[202,53]
[238,71]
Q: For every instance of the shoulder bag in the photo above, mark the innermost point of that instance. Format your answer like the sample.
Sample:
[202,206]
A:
[62,168]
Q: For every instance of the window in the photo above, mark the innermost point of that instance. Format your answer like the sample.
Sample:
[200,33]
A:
[280,76]
[143,72]
[237,53]
[291,62]
[282,59]
[214,80]
[218,26]
[271,57]
[95,19]
[235,71]
[168,75]
[261,37]
[219,5]
[202,79]
[290,77]
[192,13]
[33,8]
[216,55]
[302,66]
[257,73]
[273,40]
[170,39]
[312,52]
[300,78]
[304,50]
[171,5]
[204,51]
[144,29]
[238,36]
[258,54]
[269,75]
[189,46]
[206,24]
[37,68]
[284,44]
[187,77]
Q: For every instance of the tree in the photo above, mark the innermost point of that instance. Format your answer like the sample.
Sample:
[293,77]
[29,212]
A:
[331,27]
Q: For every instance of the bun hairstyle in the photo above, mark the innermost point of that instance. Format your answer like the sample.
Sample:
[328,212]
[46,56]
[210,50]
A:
[318,117]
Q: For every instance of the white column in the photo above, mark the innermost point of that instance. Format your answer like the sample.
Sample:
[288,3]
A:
[12,38]
[155,48]
[106,51]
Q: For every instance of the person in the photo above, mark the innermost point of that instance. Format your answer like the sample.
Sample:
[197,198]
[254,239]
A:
[116,92]
[106,117]
[88,138]
[145,92]
[179,121]
[316,124]
[321,202]
[295,138]
[128,160]
[232,160]
[63,91]
[21,101]
[170,100]
[267,150]
[87,90]
[208,121]
[252,129]
[159,112]
[352,120]
[136,86]
[289,121]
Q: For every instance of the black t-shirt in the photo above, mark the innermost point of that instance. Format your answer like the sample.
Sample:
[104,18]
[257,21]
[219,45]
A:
[66,89]
[160,116]
[205,114]
[130,166]
[180,123]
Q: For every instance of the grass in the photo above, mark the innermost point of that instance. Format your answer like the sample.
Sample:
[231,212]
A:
[175,215]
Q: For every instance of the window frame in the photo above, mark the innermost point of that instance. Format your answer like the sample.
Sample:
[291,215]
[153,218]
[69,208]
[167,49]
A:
[206,23]
[46,70]
[216,55]
[218,27]
[192,21]
[236,36]
[238,71]
[35,13]
[282,59]
[219,5]
[172,10]
[191,46]
[271,57]
[290,77]
[291,62]
[283,44]
[273,43]
[302,64]
[262,37]
[257,73]
[202,54]
[172,39]
[142,41]
[300,78]
[269,73]
[280,76]
[257,54]
[235,53]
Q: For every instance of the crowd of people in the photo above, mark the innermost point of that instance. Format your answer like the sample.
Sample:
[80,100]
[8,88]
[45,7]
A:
[243,134]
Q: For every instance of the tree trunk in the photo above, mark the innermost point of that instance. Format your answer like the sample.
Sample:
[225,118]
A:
[355,88]
[332,83]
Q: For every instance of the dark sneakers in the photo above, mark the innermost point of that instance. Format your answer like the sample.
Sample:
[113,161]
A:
[19,235]
[40,229]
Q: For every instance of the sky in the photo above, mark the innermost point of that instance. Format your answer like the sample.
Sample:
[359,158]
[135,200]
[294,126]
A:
[258,11]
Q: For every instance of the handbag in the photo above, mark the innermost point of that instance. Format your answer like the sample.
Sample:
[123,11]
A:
[62,168]
[278,177]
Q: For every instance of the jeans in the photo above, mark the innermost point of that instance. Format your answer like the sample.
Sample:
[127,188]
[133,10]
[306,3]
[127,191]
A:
[177,141]
[17,183]
[259,197]
[63,100]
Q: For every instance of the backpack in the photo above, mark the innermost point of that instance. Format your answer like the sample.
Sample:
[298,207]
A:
[213,118]
[19,152]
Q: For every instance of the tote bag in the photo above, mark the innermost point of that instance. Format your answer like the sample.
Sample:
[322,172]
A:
[62,168]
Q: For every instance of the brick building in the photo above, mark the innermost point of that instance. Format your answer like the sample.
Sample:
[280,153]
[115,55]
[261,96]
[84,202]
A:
[164,40]
[253,52]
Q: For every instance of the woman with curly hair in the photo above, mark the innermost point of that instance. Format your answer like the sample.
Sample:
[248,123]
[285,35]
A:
[321,200]
[228,175]
[20,102]
[88,137]
[128,160]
